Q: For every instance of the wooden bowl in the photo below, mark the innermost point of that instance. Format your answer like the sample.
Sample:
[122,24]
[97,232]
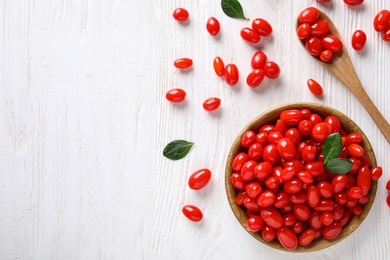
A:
[271,116]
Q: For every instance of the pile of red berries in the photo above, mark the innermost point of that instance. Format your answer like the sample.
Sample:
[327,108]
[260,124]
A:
[283,185]
[315,33]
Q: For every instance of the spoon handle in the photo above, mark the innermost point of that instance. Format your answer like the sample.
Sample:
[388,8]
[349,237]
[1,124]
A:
[375,114]
[354,84]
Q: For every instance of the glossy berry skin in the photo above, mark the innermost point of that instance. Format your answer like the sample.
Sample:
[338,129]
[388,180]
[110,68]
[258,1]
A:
[183,63]
[239,160]
[314,87]
[388,185]
[248,138]
[309,15]
[291,117]
[320,28]
[288,173]
[266,199]
[253,189]
[249,35]
[386,36]
[255,77]
[268,233]
[211,104]
[231,74]
[263,170]
[280,126]
[258,60]
[302,211]
[274,137]
[199,179]
[286,148]
[255,223]
[287,238]
[339,183]
[303,31]
[321,131]
[306,237]
[219,66]
[376,173]
[382,20]
[175,95]
[305,127]
[315,168]
[213,26]
[271,70]
[314,45]
[271,217]
[293,186]
[355,192]
[326,218]
[354,138]
[247,170]
[270,154]
[326,55]
[332,231]
[255,151]
[192,212]
[180,14]
[272,183]
[313,196]
[364,179]
[334,123]
[388,200]
[262,27]
[332,43]
[240,198]
[325,189]
[355,150]
[358,40]
[353,2]
[237,181]
[305,177]
[309,153]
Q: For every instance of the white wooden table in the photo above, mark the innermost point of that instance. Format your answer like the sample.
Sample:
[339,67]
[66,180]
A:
[84,121]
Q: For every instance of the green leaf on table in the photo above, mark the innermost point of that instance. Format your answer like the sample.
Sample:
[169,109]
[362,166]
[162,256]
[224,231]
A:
[177,149]
[339,165]
[233,9]
[332,147]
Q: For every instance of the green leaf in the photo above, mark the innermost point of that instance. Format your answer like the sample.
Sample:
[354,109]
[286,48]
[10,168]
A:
[332,147]
[177,149]
[233,9]
[339,165]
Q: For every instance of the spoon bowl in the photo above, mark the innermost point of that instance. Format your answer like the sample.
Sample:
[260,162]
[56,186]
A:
[342,68]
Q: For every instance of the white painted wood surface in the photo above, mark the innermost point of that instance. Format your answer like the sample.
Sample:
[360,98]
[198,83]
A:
[84,121]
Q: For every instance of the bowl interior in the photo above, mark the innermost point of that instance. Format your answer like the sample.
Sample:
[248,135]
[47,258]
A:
[271,116]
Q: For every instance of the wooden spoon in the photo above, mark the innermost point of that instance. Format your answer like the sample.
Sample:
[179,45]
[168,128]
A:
[341,67]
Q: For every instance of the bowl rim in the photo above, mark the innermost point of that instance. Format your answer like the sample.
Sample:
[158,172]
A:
[323,110]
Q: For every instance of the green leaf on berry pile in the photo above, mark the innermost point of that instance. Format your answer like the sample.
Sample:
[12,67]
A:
[233,9]
[332,147]
[177,149]
[339,165]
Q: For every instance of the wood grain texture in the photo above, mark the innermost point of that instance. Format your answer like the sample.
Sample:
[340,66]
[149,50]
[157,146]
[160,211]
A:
[85,120]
